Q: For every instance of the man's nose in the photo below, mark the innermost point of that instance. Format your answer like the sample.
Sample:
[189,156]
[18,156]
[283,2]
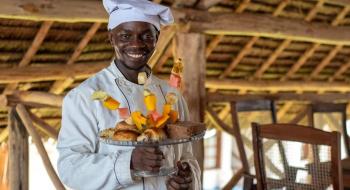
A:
[137,42]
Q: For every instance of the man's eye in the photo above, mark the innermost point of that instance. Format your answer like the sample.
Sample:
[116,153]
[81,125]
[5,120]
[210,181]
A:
[148,36]
[124,36]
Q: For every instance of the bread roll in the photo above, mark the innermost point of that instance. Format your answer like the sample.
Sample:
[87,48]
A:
[152,134]
[123,126]
[125,136]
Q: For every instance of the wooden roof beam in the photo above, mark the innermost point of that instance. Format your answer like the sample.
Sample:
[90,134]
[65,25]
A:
[301,61]
[303,97]
[34,47]
[164,39]
[50,72]
[313,11]
[235,61]
[272,58]
[228,84]
[267,26]
[59,86]
[184,3]
[206,4]
[72,11]
[338,2]
[242,6]
[341,15]
[327,60]
[280,7]
[213,44]
[340,71]
[163,59]
[200,21]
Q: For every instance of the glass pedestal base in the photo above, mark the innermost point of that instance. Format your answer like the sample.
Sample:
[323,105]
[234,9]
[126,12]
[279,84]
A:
[162,172]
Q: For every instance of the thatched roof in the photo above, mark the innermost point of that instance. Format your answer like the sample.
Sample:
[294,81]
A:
[252,57]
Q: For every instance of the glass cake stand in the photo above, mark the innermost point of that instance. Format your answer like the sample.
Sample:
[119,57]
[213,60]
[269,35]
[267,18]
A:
[169,163]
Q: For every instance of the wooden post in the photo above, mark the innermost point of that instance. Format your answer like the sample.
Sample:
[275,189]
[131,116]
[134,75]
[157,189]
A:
[191,48]
[18,153]
[28,124]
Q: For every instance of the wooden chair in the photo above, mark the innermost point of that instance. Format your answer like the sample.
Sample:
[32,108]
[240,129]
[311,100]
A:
[318,172]
[245,109]
[244,141]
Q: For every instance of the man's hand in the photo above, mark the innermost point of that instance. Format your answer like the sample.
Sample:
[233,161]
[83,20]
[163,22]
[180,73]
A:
[183,179]
[146,159]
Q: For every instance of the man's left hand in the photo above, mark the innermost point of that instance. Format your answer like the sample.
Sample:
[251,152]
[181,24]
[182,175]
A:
[183,179]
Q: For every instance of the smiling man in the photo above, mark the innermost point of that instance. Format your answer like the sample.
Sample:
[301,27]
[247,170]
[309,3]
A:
[86,163]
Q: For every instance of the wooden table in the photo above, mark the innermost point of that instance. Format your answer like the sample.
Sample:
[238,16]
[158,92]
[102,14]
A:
[346,172]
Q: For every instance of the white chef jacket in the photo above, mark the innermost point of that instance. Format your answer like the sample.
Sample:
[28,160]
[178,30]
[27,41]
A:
[86,163]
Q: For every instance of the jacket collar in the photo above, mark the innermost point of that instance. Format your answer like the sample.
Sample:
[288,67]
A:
[119,76]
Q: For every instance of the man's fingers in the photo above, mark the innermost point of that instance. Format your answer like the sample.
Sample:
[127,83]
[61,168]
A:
[175,185]
[184,173]
[153,156]
[152,150]
[153,163]
[182,180]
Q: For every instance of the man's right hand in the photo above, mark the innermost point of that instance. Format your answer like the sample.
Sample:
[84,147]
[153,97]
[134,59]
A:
[146,159]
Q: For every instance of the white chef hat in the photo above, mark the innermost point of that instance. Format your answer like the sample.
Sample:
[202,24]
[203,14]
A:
[121,11]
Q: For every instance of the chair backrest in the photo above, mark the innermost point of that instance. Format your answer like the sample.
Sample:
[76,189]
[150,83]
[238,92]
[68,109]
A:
[321,171]
[331,117]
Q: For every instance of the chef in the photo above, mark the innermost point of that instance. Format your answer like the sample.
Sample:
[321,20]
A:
[86,163]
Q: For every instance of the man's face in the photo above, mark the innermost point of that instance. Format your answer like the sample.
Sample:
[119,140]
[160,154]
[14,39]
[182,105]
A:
[134,43]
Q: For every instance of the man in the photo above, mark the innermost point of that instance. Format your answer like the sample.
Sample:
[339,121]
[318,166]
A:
[86,163]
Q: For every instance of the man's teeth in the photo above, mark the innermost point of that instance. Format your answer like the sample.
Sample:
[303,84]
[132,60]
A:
[134,55]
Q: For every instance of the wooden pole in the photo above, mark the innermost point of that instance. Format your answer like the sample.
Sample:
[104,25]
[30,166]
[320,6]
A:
[41,124]
[18,153]
[191,48]
[23,114]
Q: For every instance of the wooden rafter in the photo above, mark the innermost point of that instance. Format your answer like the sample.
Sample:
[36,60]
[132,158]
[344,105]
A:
[281,96]
[168,52]
[165,37]
[281,112]
[213,44]
[38,40]
[44,126]
[276,85]
[235,61]
[272,58]
[325,61]
[183,3]
[59,86]
[206,4]
[307,55]
[312,13]
[4,134]
[280,7]
[34,47]
[341,15]
[301,61]
[340,71]
[242,6]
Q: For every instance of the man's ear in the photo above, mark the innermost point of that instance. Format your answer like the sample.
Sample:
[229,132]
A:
[110,38]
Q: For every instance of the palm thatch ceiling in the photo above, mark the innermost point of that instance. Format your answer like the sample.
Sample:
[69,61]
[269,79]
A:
[293,43]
